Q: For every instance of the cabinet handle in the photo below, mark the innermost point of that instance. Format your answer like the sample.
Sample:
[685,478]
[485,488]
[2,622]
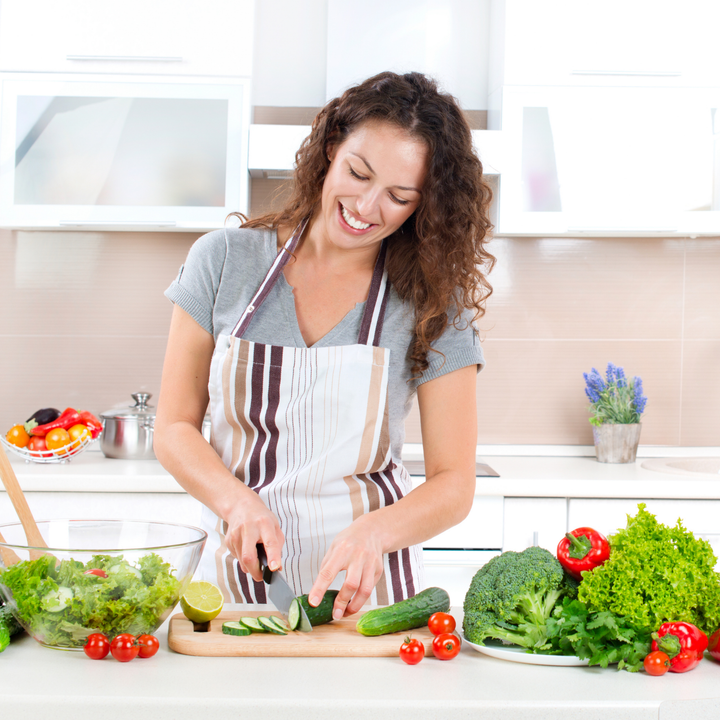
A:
[106,223]
[629,73]
[126,58]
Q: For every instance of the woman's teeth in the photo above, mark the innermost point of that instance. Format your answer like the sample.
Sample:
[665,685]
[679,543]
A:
[351,221]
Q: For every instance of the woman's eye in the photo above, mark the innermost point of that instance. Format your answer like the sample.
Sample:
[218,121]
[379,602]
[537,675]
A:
[355,175]
[398,200]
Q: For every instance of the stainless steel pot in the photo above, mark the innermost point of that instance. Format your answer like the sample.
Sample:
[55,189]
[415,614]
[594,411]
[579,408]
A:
[128,431]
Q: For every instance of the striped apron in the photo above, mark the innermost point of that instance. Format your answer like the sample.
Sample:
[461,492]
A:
[307,430]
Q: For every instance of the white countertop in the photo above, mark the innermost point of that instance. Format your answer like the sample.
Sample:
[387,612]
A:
[37,683]
[520,476]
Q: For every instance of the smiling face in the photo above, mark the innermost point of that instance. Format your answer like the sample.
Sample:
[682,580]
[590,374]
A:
[373,185]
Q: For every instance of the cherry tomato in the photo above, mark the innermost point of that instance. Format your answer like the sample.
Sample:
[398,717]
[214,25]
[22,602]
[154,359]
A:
[656,663]
[97,646]
[57,439]
[446,646]
[96,571]
[37,444]
[124,647]
[440,623]
[149,645]
[17,436]
[79,434]
[412,651]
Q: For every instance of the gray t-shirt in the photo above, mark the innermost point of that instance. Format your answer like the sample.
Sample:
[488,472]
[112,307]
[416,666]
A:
[224,269]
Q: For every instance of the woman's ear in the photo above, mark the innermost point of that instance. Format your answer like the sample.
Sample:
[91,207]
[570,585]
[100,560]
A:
[330,152]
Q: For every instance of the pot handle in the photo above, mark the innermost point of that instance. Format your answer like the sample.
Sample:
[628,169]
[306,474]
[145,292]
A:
[141,400]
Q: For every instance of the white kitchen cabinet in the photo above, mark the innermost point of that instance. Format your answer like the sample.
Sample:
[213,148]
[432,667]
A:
[610,161]
[212,38]
[453,570]
[122,152]
[156,507]
[534,521]
[648,43]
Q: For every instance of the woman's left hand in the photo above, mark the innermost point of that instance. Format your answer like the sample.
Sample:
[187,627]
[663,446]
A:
[358,551]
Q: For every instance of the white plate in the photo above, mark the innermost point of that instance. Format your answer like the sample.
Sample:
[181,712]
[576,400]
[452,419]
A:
[520,655]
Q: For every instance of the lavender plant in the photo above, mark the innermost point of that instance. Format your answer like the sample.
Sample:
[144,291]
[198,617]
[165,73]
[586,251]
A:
[614,399]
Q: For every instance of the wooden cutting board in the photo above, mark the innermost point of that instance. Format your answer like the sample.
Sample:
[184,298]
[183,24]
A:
[335,639]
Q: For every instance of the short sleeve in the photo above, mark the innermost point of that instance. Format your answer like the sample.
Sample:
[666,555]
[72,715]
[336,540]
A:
[196,286]
[458,347]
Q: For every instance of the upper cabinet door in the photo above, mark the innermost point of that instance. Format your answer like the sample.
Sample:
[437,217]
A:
[213,37]
[610,161]
[119,151]
[654,43]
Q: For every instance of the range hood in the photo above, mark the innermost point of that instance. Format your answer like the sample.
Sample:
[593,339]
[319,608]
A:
[272,149]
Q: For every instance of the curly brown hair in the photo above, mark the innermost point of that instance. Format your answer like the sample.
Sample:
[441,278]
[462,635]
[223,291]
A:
[437,260]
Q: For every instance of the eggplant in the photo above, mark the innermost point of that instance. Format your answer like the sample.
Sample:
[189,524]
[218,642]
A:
[44,416]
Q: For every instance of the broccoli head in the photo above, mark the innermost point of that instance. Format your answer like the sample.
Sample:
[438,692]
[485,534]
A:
[511,597]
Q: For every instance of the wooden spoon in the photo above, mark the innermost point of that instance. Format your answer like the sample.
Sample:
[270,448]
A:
[17,497]
[9,556]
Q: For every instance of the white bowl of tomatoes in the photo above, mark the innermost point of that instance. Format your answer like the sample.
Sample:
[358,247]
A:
[51,436]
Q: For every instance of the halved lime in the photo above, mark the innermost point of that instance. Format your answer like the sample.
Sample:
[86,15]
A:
[202,601]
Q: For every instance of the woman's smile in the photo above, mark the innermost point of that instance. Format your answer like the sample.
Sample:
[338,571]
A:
[352,221]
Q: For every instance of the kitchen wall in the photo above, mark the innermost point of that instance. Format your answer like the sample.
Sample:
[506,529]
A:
[84,322]
[83,319]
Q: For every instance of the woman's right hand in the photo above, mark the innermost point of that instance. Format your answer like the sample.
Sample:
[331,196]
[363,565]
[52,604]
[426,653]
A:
[249,523]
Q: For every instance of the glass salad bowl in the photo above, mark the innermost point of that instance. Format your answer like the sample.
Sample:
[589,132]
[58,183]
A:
[109,576]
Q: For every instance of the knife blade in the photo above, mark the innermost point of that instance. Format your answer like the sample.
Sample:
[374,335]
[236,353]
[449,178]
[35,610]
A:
[280,593]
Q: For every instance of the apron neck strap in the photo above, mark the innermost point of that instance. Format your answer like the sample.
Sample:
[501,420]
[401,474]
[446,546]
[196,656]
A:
[374,314]
[271,278]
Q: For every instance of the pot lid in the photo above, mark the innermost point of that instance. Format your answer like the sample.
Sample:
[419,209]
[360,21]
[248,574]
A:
[140,409]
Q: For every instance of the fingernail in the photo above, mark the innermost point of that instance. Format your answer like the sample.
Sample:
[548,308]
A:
[337,613]
[274,566]
[314,600]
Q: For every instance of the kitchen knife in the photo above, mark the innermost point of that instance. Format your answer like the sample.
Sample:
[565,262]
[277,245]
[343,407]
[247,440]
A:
[280,593]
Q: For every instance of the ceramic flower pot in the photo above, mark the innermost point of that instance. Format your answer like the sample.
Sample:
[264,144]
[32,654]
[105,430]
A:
[616,443]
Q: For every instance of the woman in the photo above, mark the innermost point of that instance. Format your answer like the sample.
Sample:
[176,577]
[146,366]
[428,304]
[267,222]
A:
[309,330]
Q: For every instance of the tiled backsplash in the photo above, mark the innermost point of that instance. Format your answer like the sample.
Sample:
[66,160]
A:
[84,322]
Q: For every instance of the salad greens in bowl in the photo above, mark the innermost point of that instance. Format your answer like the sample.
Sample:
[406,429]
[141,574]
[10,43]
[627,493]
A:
[108,576]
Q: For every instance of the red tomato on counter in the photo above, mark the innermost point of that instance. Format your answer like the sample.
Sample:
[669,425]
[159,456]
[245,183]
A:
[412,651]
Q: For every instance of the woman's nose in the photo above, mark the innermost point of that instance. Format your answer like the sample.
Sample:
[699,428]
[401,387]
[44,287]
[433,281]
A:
[368,202]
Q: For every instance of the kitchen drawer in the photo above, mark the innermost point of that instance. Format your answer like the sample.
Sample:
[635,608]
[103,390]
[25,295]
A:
[159,507]
[453,570]
[534,521]
[482,529]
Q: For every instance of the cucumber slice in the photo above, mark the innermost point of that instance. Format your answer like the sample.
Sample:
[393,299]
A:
[253,624]
[280,622]
[294,614]
[269,624]
[235,628]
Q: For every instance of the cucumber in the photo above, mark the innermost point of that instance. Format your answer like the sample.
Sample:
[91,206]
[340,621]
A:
[404,615]
[235,628]
[269,624]
[252,624]
[316,615]
[8,619]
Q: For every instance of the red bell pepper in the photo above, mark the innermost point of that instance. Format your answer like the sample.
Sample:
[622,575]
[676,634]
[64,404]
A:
[581,550]
[682,642]
[93,423]
[68,418]
[714,645]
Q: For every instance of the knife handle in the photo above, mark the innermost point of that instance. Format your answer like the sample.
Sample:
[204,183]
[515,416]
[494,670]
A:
[262,557]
